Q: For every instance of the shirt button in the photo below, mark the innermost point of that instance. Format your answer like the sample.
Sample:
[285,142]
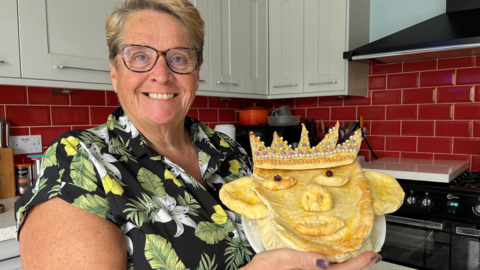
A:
[231,234]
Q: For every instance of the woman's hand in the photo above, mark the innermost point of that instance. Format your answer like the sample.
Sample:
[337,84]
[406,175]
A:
[289,259]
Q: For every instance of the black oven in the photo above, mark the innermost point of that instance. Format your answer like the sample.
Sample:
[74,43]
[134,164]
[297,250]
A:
[420,243]
[437,227]
[465,246]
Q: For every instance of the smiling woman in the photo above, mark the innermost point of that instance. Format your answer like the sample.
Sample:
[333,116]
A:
[141,190]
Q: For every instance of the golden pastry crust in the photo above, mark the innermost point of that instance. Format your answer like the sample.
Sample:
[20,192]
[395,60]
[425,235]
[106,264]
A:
[284,183]
[239,197]
[339,159]
[318,225]
[337,180]
[387,193]
[351,204]
[316,199]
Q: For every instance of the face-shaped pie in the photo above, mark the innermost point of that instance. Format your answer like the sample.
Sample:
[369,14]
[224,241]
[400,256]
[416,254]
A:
[313,198]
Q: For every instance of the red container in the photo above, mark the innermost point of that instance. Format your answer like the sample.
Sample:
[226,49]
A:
[253,116]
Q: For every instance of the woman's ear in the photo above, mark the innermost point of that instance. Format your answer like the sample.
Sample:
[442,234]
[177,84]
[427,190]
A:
[197,77]
[113,76]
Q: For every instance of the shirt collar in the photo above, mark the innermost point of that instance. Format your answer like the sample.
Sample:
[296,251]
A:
[203,137]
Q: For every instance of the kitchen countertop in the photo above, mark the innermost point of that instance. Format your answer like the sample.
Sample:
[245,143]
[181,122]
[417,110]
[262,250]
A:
[7,220]
[389,266]
[418,169]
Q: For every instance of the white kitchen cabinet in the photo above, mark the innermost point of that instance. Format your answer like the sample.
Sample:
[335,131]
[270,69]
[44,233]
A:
[254,46]
[9,49]
[11,264]
[10,255]
[307,41]
[286,46]
[202,6]
[238,46]
[225,44]
[65,40]
[9,249]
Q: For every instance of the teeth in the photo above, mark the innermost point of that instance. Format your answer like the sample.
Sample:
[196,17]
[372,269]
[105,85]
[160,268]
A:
[161,96]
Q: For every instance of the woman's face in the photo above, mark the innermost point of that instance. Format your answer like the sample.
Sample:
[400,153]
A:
[160,31]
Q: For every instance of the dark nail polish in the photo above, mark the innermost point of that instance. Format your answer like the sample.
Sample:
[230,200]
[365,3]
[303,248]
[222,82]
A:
[322,264]
[374,257]
[378,259]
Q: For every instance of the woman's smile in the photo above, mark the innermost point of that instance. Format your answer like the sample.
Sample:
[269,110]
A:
[160,96]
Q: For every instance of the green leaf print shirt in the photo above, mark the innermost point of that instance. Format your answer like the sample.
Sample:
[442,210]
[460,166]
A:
[168,219]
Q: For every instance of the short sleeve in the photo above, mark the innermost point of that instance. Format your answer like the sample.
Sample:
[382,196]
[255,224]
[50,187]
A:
[67,172]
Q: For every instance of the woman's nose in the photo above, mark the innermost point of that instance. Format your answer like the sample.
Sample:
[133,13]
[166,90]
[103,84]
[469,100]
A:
[161,72]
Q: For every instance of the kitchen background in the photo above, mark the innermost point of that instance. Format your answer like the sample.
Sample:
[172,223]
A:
[424,109]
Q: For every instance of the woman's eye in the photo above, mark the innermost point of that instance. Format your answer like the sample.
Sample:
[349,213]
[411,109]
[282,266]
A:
[178,59]
[140,58]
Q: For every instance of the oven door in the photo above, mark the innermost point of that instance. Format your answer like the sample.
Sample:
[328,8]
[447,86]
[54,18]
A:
[465,246]
[417,243]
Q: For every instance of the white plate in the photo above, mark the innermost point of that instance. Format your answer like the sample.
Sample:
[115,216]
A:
[253,233]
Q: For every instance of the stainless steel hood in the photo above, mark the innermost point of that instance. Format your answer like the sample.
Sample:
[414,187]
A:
[452,34]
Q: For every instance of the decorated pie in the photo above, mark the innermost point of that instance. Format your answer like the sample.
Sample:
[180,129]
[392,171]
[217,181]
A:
[313,198]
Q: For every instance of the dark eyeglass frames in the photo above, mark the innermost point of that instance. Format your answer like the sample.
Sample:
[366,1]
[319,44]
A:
[140,58]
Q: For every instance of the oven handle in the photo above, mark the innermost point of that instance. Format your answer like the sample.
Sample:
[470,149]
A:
[416,222]
[468,231]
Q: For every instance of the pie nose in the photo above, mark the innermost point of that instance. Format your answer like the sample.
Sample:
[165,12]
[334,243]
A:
[316,199]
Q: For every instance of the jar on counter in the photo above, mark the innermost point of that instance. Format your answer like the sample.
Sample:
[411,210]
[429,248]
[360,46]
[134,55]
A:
[36,166]
[23,175]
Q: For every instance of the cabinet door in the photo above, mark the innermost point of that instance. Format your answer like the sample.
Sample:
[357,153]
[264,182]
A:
[286,46]
[254,34]
[65,39]
[202,6]
[9,249]
[9,50]
[225,47]
[11,264]
[325,42]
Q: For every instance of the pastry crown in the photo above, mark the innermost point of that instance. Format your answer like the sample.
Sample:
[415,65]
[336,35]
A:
[327,154]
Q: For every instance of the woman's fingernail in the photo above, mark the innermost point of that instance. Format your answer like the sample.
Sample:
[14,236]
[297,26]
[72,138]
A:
[378,259]
[322,264]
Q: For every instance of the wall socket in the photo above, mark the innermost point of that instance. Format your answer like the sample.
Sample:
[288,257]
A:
[26,144]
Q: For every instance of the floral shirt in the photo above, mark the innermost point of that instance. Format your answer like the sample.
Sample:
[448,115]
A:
[168,219]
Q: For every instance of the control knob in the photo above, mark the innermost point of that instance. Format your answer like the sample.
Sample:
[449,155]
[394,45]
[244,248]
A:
[411,200]
[477,208]
[427,202]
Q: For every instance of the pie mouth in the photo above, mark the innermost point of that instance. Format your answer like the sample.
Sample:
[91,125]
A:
[160,96]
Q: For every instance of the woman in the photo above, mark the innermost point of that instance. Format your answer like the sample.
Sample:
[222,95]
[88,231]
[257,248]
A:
[141,191]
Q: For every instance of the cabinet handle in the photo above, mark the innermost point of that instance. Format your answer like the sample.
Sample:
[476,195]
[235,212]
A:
[416,222]
[468,231]
[1,62]
[201,80]
[86,69]
[219,82]
[315,83]
[286,85]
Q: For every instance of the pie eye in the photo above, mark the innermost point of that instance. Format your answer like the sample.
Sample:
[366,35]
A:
[277,178]
[329,173]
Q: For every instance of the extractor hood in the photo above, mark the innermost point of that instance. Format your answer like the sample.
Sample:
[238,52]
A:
[452,34]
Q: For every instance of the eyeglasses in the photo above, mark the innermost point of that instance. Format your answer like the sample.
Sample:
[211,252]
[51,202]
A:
[140,58]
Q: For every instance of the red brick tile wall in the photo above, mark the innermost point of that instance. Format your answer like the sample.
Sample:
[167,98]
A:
[36,111]
[426,109]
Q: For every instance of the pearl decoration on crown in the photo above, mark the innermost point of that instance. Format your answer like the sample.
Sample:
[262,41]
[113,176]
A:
[328,147]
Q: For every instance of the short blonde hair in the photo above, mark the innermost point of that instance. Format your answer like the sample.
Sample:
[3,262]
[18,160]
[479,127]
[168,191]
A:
[183,10]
